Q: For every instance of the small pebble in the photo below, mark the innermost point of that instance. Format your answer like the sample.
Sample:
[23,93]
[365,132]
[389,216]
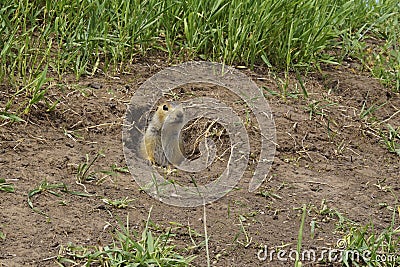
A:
[69,145]
[95,85]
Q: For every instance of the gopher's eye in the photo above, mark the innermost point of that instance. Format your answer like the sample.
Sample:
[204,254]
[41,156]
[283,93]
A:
[165,107]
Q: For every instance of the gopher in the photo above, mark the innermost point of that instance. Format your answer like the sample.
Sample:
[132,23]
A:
[167,119]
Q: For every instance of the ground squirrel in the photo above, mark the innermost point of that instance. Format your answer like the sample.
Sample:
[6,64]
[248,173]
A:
[169,117]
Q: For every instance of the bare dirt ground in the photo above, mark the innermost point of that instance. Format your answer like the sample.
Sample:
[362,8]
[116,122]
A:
[334,162]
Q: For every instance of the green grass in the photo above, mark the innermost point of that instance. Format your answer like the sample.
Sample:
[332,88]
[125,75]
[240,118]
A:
[82,170]
[43,38]
[78,36]
[2,235]
[379,249]
[360,245]
[5,186]
[54,189]
[128,249]
[391,139]
[300,236]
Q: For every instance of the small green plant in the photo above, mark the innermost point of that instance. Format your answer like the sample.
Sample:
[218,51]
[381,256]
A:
[50,188]
[2,235]
[113,171]
[82,173]
[369,111]
[44,187]
[7,187]
[118,203]
[329,214]
[128,249]
[269,194]
[10,117]
[316,108]
[391,139]
[247,238]
[115,168]
[300,236]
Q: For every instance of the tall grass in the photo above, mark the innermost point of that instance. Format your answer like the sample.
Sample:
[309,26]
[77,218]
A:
[84,35]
